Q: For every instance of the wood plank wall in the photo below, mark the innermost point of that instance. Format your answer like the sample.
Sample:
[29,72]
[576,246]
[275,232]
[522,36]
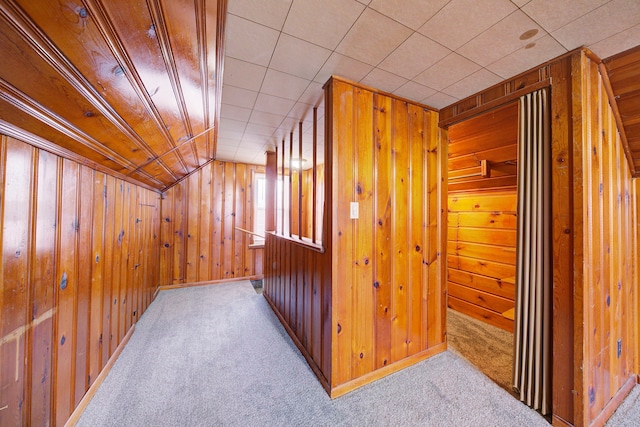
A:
[590,206]
[482,216]
[388,271]
[79,260]
[200,214]
[609,318]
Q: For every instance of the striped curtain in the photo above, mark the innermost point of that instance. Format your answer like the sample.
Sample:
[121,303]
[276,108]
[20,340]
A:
[532,334]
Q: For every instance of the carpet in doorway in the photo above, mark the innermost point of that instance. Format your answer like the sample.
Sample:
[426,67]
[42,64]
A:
[487,347]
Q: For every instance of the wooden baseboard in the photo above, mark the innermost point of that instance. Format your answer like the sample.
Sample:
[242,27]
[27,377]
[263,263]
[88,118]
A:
[347,387]
[75,416]
[615,401]
[208,282]
[557,421]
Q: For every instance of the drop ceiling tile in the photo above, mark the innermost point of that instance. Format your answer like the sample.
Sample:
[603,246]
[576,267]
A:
[273,104]
[228,134]
[233,112]
[412,13]
[501,39]
[262,130]
[520,3]
[313,95]
[599,24]
[414,91]
[251,138]
[413,56]
[243,74]
[461,20]
[249,41]
[553,14]
[302,111]
[227,151]
[446,72]
[227,144]
[383,80]
[271,13]
[322,22]
[342,66]
[298,57]
[263,118]
[617,43]
[239,97]
[439,100]
[284,85]
[543,49]
[232,125]
[476,82]
[373,37]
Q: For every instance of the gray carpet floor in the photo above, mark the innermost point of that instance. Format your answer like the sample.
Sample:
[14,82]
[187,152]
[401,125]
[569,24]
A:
[217,356]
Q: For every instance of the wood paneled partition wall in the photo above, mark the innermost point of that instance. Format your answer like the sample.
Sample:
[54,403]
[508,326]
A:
[79,267]
[200,242]
[594,278]
[371,300]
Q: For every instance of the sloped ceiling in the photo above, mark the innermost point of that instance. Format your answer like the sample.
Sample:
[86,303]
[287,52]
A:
[136,86]
[132,85]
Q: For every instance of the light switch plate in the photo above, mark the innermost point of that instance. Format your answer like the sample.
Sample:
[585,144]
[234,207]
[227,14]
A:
[354,210]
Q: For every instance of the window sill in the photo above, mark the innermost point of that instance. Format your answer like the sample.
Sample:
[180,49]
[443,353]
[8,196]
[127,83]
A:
[304,241]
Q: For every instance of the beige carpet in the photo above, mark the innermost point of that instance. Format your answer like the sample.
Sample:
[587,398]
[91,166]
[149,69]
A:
[487,347]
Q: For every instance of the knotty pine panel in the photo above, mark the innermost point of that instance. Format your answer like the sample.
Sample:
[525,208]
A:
[200,242]
[59,297]
[388,292]
[610,317]
[482,253]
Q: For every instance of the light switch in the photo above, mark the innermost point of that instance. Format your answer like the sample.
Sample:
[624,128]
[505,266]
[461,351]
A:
[355,210]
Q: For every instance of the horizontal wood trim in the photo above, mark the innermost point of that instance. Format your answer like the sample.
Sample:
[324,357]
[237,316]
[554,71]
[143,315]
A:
[487,268]
[345,388]
[489,202]
[480,313]
[305,242]
[504,182]
[93,389]
[494,220]
[209,282]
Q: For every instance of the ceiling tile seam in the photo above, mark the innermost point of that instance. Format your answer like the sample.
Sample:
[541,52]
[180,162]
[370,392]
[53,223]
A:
[109,34]
[549,33]
[77,80]
[201,34]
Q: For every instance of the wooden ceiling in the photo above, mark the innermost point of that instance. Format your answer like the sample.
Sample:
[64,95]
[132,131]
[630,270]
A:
[624,74]
[131,85]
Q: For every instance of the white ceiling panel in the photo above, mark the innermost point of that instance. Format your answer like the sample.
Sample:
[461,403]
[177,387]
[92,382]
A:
[413,56]
[619,42]
[473,83]
[284,85]
[279,53]
[502,39]
[446,72]
[233,112]
[298,57]
[383,80]
[373,37]
[243,74]
[553,14]
[413,90]
[529,56]
[599,24]
[273,104]
[271,13]
[324,23]
[239,97]
[343,66]
[412,13]
[462,20]
[249,41]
